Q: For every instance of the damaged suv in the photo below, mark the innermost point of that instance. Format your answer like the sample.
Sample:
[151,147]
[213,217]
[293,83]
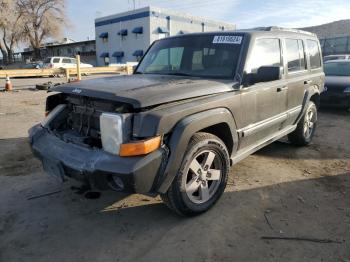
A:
[195,105]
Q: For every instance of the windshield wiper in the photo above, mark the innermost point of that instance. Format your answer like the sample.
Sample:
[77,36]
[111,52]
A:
[179,74]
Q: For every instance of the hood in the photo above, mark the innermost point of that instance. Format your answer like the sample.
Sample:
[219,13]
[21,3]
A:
[146,90]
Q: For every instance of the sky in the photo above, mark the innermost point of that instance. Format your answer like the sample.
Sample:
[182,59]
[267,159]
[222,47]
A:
[243,13]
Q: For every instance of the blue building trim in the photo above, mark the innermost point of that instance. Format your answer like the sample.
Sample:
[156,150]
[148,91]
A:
[122,19]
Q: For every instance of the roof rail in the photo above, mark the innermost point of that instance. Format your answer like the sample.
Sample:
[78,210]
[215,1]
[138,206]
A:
[277,28]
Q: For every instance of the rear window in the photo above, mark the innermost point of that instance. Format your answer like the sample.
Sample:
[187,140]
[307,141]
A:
[66,61]
[295,55]
[315,55]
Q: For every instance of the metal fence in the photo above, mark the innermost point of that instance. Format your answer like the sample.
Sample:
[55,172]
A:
[336,45]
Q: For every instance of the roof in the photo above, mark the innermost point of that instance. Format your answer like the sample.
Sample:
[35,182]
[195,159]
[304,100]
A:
[157,12]
[73,44]
[262,31]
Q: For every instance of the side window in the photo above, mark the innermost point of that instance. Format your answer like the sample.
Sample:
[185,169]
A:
[314,53]
[73,61]
[295,55]
[266,52]
[66,60]
[56,60]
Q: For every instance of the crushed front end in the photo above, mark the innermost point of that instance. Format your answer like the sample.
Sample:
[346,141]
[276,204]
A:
[82,138]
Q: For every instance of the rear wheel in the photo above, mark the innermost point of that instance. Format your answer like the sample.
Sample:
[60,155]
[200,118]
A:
[202,177]
[303,134]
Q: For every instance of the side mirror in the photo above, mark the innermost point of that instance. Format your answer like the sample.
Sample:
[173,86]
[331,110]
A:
[267,74]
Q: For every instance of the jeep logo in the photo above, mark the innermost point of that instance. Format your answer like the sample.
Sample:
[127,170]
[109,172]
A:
[76,90]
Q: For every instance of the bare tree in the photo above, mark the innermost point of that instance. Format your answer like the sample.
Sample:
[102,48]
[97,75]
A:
[4,5]
[11,28]
[42,19]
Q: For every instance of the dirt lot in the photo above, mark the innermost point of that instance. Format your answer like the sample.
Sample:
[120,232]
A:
[279,191]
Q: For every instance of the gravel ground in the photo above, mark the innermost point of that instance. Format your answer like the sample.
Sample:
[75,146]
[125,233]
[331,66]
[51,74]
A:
[279,191]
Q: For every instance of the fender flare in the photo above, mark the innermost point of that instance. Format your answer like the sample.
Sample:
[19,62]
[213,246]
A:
[310,91]
[182,134]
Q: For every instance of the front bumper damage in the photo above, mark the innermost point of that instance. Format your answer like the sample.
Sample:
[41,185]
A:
[95,166]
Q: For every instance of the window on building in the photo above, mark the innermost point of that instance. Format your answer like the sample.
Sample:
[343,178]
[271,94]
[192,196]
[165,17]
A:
[314,53]
[266,52]
[335,45]
[295,55]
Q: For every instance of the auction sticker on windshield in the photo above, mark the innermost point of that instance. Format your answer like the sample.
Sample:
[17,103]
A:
[227,39]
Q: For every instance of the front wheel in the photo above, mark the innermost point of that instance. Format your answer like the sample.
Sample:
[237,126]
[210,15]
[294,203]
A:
[303,134]
[202,177]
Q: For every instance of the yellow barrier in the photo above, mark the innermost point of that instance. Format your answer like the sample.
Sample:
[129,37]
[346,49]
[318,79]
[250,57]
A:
[30,72]
[122,69]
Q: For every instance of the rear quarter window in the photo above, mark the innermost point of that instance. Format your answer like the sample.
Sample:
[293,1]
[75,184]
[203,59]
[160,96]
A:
[314,53]
[56,60]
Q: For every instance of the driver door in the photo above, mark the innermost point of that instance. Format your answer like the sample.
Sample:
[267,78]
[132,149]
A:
[264,104]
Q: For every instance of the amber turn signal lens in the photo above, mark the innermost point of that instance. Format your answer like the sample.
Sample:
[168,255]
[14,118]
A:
[139,148]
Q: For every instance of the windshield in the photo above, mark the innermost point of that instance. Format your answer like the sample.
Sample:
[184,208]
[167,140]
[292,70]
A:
[201,55]
[337,69]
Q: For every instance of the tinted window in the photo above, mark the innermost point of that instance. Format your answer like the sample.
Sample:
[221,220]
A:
[314,52]
[266,52]
[202,56]
[56,60]
[295,55]
[66,60]
[337,69]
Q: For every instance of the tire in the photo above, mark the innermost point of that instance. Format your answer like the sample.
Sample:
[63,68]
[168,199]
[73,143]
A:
[305,131]
[202,177]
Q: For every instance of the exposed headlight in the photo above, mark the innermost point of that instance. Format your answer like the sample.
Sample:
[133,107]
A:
[52,115]
[111,126]
[347,90]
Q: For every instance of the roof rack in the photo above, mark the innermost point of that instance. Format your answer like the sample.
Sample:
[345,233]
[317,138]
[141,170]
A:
[277,28]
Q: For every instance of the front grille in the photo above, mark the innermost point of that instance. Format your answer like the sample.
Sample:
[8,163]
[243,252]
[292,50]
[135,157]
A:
[81,124]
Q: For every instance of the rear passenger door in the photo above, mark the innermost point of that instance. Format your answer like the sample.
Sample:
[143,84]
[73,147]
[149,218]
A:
[263,104]
[297,76]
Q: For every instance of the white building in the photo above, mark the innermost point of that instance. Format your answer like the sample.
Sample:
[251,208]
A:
[125,37]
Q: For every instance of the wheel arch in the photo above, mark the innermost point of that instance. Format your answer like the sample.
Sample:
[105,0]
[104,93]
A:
[311,94]
[207,121]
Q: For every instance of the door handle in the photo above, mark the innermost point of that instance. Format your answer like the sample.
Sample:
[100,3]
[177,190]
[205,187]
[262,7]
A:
[307,82]
[280,89]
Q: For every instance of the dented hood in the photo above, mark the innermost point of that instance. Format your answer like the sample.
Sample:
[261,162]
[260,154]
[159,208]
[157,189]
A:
[146,90]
